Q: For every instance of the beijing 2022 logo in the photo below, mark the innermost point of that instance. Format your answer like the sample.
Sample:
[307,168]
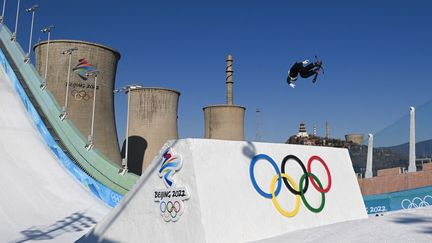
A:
[171,199]
[298,190]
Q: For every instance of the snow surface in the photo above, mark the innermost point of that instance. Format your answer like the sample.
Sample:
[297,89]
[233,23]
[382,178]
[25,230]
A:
[40,200]
[412,225]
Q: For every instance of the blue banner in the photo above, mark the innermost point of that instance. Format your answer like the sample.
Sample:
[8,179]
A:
[413,198]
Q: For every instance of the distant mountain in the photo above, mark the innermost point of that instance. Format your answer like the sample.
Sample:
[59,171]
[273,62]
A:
[383,158]
[387,157]
[423,149]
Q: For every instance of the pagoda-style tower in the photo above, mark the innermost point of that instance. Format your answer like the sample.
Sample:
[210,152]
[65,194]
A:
[302,131]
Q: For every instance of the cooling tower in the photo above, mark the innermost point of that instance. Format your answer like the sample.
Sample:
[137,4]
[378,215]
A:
[152,121]
[80,92]
[225,121]
[355,138]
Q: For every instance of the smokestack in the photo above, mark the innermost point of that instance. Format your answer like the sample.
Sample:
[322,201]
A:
[225,121]
[412,143]
[229,80]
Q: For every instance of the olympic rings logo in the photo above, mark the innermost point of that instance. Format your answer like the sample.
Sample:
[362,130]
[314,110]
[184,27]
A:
[81,94]
[115,197]
[171,210]
[417,202]
[298,190]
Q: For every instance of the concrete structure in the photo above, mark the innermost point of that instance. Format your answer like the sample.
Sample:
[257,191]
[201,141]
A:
[216,194]
[225,121]
[354,138]
[81,91]
[412,143]
[229,80]
[152,122]
[368,173]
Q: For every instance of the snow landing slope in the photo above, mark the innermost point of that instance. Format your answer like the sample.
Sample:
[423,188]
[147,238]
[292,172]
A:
[40,200]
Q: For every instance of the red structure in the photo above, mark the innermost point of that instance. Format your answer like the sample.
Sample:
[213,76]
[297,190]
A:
[394,179]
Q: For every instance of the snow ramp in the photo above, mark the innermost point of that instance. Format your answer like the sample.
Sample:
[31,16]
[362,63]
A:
[62,136]
[200,190]
[40,200]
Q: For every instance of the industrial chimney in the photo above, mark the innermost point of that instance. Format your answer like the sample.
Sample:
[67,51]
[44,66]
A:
[225,121]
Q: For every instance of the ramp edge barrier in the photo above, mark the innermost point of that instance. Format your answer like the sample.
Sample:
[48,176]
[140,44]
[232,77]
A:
[92,162]
[393,201]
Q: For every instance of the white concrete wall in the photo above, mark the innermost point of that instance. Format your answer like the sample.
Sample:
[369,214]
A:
[223,204]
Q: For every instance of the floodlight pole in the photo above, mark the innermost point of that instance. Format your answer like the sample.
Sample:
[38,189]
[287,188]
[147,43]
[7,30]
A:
[31,10]
[14,34]
[47,30]
[125,162]
[64,109]
[369,157]
[127,90]
[3,12]
[90,139]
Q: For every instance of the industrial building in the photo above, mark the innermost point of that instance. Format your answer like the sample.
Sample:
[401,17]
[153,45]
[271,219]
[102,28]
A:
[354,138]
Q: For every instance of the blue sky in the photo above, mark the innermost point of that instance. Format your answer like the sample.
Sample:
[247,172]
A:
[377,56]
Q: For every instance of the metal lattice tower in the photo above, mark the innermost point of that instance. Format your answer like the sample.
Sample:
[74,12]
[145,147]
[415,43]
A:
[258,124]
[327,130]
